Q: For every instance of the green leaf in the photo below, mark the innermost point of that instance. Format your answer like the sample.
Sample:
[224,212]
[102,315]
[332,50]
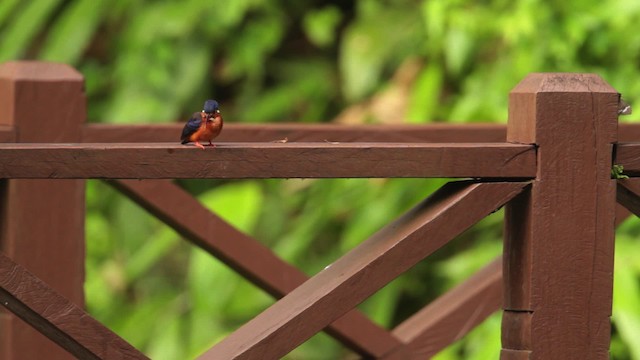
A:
[156,247]
[253,44]
[425,94]
[617,172]
[237,203]
[320,26]
[73,31]
[25,26]
[7,7]
[626,294]
[381,307]
[211,286]
[363,54]
[167,338]
[458,49]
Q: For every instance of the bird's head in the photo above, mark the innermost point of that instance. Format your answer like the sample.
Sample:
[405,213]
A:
[210,107]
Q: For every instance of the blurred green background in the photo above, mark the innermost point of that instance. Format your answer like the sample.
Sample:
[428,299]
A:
[352,62]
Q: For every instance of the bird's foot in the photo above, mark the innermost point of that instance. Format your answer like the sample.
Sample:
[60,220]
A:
[212,144]
[199,145]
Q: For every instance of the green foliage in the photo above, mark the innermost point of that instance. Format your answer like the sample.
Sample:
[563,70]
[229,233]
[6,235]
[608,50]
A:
[617,172]
[21,26]
[626,292]
[265,61]
[320,25]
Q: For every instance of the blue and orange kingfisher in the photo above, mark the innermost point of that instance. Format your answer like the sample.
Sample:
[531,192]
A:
[203,126]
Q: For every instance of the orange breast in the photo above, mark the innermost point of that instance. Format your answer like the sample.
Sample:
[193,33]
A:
[207,131]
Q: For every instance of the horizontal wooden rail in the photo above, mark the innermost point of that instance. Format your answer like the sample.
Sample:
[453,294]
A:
[267,160]
[432,132]
[628,155]
[292,132]
[304,132]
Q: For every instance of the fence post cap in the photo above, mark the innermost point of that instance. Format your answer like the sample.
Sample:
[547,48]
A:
[542,101]
[563,82]
[38,70]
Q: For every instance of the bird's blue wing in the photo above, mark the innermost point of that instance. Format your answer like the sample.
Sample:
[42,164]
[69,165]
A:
[190,127]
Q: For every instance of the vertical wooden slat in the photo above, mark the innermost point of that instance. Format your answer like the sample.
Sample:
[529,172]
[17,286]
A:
[364,270]
[7,133]
[458,311]
[558,266]
[42,221]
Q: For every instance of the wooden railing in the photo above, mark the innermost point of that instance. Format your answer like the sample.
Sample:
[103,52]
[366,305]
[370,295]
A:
[553,173]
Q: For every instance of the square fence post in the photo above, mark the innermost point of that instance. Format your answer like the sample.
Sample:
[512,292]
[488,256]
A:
[42,221]
[559,235]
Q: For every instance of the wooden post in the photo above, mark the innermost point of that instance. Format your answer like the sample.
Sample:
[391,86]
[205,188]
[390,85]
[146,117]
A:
[42,221]
[558,262]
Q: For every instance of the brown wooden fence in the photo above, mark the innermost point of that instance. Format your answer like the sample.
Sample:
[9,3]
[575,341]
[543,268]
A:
[550,166]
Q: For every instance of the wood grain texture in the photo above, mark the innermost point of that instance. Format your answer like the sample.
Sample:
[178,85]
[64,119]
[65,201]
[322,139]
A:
[509,354]
[358,274]
[60,320]
[520,338]
[42,221]
[293,132]
[452,315]
[559,235]
[248,257]
[628,132]
[7,134]
[266,160]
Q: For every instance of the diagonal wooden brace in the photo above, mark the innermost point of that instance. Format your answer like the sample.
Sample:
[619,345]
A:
[57,318]
[360,273]
[258,264]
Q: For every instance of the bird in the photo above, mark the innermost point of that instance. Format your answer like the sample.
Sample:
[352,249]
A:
[203,126]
